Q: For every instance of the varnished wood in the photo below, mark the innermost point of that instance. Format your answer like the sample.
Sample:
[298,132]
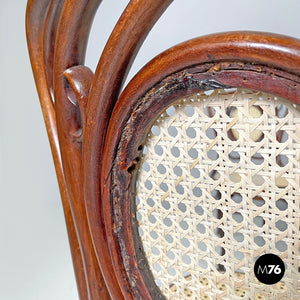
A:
[148,94]
[68,26]
[115,61]
[72,34]
[80,80]
[35,16]
[96,134]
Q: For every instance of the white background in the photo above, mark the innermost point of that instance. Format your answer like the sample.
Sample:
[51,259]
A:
[35,261]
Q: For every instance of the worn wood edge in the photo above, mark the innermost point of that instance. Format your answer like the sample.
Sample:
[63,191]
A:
[253,47]
[120,181]
[121,48]
[117,189]
[121,178]
[73,113]
[35,13]
[147,78]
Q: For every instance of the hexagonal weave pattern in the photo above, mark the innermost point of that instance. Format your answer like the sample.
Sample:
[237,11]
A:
[218,186]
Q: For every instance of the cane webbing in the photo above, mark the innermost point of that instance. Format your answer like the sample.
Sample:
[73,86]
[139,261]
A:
[218,186]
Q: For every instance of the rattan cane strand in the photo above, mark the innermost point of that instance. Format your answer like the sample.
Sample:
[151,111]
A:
[218,186]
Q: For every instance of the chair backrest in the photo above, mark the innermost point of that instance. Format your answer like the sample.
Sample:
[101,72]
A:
[201,174]
[216,188]
[175,187]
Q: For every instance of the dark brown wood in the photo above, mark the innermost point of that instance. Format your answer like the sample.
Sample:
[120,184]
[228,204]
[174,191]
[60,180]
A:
[35,27]
[120,50]
[96,134]
[49,35]
[80,80]
[72,35]
[137,109]
[62,32]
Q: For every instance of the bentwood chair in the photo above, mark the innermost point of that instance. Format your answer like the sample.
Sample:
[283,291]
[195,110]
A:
[173,188]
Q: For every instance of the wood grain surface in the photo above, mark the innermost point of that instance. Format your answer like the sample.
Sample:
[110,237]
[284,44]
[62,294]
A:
[96,135]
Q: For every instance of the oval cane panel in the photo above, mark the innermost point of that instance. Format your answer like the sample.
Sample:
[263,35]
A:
[218,186]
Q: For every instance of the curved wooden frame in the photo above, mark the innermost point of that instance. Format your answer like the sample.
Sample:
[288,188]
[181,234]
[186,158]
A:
[77,107]
[135,113]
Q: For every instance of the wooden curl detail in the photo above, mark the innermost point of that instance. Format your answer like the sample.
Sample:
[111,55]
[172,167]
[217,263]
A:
[85,137]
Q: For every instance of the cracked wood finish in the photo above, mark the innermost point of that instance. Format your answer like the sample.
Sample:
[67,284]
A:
[147,95]
[96,135]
